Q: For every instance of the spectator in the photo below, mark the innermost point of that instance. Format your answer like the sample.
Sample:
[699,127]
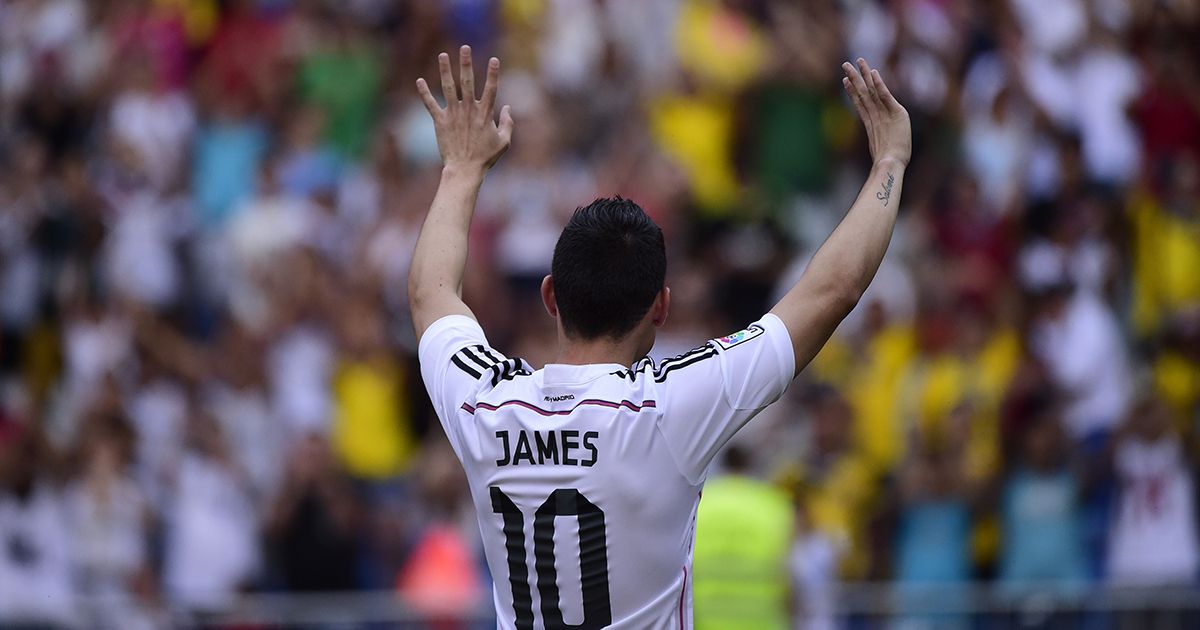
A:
[157,408]
[933,539]
[1108,81]
[439,578]
[372,433]
[813,564]
[108,519]
[312,524]
[1154,534]
[212,547]
[935,520]
[743,531]
[1040,509]
[342,77]
[37,566]
[306,167]
[154,123]
[226,156]
[1166,243]
[236,397]
[532,195]
[1079,339]
[840,478]
[140,250]
[998,141]
[26,204]
[1176,368]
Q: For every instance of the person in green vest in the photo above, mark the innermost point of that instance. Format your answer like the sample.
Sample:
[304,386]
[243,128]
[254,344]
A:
[744,531]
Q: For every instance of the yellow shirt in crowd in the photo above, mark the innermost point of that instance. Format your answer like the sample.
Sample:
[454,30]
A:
[1166,262]
[371,429]
[744,531]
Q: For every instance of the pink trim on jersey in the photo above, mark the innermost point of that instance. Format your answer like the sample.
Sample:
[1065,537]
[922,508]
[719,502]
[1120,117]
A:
[682,592]
[648,404]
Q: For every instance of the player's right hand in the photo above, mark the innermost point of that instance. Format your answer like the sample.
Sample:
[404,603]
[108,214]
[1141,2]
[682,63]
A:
[889,132]
[467,133]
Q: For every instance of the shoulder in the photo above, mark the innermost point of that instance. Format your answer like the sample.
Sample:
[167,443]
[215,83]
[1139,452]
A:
[658,371]
[489,366]
[457,343]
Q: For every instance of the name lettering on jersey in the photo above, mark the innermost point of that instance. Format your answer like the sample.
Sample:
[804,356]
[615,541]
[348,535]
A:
[548,448]
[741,336]
[559,398]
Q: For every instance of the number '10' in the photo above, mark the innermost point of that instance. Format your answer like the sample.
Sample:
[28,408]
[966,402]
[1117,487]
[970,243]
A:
[593,559]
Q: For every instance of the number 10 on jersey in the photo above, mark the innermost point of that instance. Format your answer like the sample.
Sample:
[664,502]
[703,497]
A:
[593,559]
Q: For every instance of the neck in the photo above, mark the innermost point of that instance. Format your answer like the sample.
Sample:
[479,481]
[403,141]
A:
[584,352]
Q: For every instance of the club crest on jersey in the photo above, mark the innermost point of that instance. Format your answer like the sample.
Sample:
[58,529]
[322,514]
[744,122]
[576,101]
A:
[740,336]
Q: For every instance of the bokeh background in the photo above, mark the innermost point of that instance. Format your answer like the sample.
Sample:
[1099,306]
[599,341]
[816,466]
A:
[210,408]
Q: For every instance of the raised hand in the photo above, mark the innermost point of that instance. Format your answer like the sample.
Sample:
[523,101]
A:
[889,133]
[467,133]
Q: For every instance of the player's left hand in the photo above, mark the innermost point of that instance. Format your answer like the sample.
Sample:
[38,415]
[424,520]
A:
[889,132]
[467,133]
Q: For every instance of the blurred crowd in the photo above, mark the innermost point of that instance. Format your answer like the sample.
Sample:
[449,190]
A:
[208,382]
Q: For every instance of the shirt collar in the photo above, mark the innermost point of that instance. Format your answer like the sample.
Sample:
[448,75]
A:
[565,374]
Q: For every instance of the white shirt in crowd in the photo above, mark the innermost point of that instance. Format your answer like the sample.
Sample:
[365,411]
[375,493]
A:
[586,478]
[212,540]
[255,435]
[36,578]
[1153,539]
[1088,264]
[109,533]
[108,528]
[157,126]
[1107,82]
[158,411]
[529,203]
[814,569]
[93,348]
[139,251]
[1086,356]
[300,367]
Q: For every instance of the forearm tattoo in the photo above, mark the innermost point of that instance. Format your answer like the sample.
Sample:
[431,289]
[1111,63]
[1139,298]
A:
[885,195]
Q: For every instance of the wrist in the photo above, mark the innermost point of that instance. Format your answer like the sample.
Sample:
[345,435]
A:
[891,163]
[462,170]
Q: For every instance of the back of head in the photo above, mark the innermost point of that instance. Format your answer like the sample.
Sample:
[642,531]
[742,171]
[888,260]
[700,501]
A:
[609,264]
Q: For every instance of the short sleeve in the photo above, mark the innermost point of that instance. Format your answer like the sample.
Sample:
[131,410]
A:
[456,362]
[706,395]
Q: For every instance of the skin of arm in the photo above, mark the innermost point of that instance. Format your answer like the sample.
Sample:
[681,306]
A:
[844,265]
[470,142]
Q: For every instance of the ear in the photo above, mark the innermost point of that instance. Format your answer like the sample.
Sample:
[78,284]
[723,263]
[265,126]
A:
[661,307]
[548,299]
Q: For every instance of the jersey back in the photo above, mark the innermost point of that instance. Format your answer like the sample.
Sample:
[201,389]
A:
[586,478]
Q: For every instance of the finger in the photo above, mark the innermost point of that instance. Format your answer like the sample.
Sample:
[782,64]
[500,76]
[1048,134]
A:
[857,89]
[448,89]
[855,78]
[865,70]
[506,124]
[885,94]
[431,104]
[491,85]
[854,97]
[466,74]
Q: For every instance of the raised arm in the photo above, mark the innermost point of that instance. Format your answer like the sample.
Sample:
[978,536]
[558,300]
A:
[845,264]
[470,142]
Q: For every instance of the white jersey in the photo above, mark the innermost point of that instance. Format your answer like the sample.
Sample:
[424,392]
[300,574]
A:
[586,478]
[1154,538]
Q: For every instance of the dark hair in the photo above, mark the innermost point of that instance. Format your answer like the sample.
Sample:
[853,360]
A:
[609,264]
